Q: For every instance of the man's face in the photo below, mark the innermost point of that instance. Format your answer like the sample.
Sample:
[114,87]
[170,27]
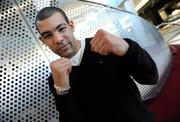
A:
[57,34]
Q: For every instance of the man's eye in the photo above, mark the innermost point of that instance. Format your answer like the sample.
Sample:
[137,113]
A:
[47,36]
[61,29]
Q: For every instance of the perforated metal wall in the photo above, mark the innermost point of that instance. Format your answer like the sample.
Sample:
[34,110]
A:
[24,60]
[24,91]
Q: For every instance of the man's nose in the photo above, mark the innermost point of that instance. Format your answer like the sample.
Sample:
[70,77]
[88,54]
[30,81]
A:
[58,38]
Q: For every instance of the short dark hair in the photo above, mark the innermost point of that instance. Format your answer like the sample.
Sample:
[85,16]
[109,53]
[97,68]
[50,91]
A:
[47,12]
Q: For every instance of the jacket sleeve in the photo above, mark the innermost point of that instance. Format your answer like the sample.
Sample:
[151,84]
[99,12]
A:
[140,65]
[65,104]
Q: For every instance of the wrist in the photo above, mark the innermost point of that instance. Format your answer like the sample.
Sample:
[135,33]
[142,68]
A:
[61,90]
[122,49]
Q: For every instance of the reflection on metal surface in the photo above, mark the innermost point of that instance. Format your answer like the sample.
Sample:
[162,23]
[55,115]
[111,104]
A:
[24,60]
[112,3]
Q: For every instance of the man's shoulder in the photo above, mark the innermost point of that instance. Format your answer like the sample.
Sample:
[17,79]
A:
[87,42]
[88,39]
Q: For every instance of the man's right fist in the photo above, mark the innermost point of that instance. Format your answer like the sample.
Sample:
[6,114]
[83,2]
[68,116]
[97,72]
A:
[60,70]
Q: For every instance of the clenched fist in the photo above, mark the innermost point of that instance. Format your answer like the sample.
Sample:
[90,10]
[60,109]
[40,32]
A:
[105,43]
[60,71]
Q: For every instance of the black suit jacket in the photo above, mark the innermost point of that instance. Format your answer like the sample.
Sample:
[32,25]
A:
[102,88]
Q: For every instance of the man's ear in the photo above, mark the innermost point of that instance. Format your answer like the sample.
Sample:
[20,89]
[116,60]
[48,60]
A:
[71,25]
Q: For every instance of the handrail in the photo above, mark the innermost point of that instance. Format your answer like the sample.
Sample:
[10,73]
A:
[167,23]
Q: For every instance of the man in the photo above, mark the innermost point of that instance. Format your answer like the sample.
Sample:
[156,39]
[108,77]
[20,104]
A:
[92,81]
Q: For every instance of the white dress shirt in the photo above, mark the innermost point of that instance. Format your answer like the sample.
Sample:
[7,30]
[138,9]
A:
[76,59]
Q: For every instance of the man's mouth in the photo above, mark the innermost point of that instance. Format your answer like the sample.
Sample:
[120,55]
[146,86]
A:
[63,47]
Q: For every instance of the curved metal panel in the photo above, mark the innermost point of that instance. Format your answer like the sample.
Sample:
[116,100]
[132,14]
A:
[24,91]
[24,60]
